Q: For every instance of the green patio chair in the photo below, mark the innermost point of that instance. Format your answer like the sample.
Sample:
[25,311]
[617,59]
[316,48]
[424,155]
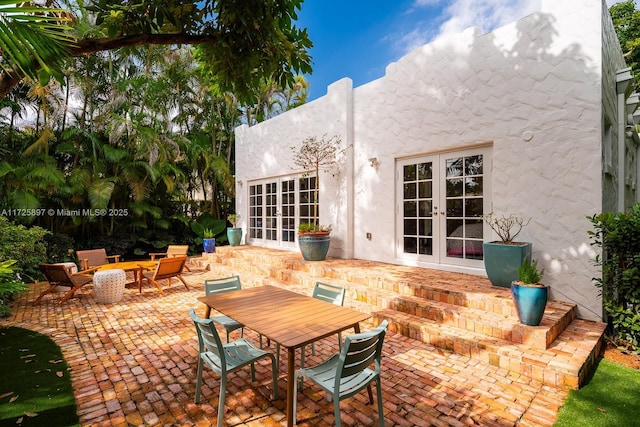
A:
[225,358]
[334,295]
[218,286]
[346,373]
[324,292]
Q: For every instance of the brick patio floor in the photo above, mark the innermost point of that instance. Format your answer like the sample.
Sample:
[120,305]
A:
[133,363]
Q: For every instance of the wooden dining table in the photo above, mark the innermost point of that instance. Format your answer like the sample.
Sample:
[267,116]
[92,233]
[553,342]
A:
[291,319]
[136,266]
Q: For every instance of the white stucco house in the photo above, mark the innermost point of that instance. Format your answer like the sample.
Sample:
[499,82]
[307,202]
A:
[534,118]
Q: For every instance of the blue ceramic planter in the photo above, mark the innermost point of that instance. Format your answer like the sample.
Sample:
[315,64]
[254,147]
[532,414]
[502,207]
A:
[209,245]
[501,261]
[314,247]
[234,235]
[530,302]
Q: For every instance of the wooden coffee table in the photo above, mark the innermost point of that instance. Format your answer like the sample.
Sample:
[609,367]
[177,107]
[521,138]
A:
[136,266]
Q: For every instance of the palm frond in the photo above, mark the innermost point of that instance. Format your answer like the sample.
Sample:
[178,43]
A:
[100,193]
[33,38]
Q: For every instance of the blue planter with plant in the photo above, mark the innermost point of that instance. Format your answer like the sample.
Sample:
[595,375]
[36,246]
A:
[207,229]
[529,295]
[209,241]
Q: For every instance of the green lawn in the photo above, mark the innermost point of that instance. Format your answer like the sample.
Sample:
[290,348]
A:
[610,399]
[35,389]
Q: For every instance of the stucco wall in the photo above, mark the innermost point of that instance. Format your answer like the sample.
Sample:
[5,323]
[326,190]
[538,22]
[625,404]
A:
[264,151]
[530,90]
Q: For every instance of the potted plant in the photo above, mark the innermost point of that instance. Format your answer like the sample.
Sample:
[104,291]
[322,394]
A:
[503,257]
[316,154]
[207,229]
[234,234]
[529,295]
[209,241]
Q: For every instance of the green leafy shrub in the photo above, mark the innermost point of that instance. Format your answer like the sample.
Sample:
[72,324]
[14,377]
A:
[116,244]
[528,272]
[60,247]
[10,286]
[617,235]
[25,245]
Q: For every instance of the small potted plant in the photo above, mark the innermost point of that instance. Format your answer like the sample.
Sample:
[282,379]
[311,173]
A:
[234,234]
[529,295]
[209,241]
[503,257]
[316,154]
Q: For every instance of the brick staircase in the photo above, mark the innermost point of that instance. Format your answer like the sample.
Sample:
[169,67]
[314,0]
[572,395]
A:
[460,313]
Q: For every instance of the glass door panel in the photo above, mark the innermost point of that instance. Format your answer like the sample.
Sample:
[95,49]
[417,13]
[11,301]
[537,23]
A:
[417,208]
[464,198]
[288,211]
[256,211]
[307,185]
[271,209]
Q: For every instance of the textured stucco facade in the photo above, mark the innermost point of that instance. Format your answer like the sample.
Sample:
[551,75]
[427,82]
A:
[535,96]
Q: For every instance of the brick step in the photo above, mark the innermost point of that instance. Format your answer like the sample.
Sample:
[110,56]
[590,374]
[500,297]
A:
[473,307]
[436,285]
[497,325]
[579,344]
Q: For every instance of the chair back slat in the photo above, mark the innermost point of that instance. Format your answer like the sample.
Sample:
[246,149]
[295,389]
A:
[360,355]
[169,267]
[329,293]
[177,250]
[57,274]
[94,257]
[208,338]
[361,350]
[225,284]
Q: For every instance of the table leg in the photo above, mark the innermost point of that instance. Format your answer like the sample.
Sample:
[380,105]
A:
[140,276]
[291,352]
[207,313]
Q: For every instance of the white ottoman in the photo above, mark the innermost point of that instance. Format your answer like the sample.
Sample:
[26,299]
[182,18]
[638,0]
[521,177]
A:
[73,269]
[109,285]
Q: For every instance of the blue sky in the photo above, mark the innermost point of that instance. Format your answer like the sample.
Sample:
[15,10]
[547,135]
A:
[359,38]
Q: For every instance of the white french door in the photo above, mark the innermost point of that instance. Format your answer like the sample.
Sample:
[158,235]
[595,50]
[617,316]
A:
[277,206]
[441,200]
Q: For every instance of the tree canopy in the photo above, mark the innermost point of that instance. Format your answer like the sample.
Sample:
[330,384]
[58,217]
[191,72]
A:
[626,21]
[132,143]
[243,42]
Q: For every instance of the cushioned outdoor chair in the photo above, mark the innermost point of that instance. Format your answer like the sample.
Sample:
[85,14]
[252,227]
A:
[218,286]
[60,275]
[346,373]
[166,269]
[226,358]
[172,250]
[95,258]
